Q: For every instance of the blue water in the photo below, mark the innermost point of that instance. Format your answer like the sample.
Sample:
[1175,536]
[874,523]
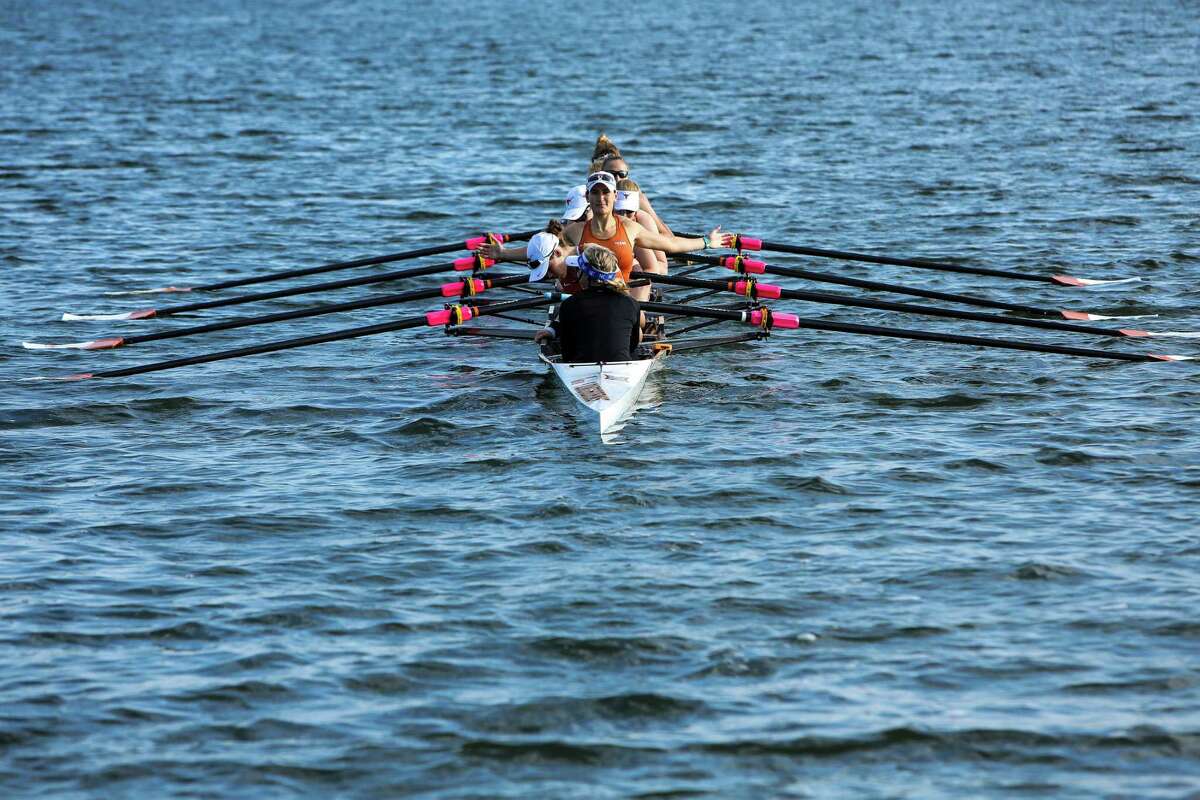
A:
[819,566]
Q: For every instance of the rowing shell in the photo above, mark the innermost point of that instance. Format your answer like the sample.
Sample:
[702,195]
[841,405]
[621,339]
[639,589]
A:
[608,390]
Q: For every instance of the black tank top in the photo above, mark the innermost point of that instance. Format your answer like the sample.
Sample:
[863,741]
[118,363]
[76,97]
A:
[597,325]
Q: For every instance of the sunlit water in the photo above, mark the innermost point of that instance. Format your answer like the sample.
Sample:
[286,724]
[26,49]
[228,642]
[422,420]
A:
[820,566]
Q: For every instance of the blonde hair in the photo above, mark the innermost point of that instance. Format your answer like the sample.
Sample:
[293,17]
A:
[605,259]
[605,148]
[628,185]
[597,165]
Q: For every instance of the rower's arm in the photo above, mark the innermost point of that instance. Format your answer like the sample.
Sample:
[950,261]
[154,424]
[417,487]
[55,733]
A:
[500,253]
[681,244]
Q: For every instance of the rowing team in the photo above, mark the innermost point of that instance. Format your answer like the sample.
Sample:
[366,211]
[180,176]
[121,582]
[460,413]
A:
[609,229]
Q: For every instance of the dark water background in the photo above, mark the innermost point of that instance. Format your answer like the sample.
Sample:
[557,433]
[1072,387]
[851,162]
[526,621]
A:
[823,567]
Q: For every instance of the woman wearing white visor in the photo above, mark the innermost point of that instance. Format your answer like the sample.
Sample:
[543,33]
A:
[623,236]
[576,205]
[620,236]
[628,207]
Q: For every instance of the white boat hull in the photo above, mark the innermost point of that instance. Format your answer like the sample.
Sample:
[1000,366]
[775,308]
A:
[608,391]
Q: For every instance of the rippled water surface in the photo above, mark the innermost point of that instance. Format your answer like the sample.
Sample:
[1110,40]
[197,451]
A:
[819,566]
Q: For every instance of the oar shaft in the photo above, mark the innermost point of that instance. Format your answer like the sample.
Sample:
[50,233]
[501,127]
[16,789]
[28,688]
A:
[980,341]
[829,298]
[900,333]
[917,263]
[360,262]
[314,311]
[327,286]
[693,311]
[950,297]
[305,341]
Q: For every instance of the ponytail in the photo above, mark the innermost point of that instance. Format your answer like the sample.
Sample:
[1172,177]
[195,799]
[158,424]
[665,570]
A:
[605,148]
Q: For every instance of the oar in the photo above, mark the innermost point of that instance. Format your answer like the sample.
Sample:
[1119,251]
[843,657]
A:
[752,289]
[750,266]
[453,315]
[741,242]
[467,286]
[469,262]
[767,319]
[470,244]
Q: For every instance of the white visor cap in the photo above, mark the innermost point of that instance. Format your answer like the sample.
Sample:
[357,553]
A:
[628,201]
[538,253]
[576,203]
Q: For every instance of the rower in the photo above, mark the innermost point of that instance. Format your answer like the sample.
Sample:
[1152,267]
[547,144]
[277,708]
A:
[606,157]
[601,322]
[576,204]
[622,236]
[627,207]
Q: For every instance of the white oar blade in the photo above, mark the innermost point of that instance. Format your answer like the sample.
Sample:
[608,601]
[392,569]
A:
[1176,334]
[95,344]
[1162,357]
[79,377]
[159,290]
[1084,316]
[140,314]
[1071,280]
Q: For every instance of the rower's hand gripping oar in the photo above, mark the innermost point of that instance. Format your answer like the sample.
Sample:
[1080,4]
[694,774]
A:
[743,242]
[473,243]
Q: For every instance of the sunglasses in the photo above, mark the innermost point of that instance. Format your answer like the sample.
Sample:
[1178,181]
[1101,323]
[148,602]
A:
[619,174]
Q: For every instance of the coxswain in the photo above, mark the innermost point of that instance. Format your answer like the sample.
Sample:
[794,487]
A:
[601,322]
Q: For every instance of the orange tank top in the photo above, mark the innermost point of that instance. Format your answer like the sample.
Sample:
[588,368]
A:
[619,243]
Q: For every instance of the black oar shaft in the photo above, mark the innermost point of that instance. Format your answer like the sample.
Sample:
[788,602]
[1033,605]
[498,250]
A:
[917,263]
[304,341]
[902,333]
[859,283]
[314,311]
[339,265]
[327,286]
[693,311]
[829,298]
[980,341]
